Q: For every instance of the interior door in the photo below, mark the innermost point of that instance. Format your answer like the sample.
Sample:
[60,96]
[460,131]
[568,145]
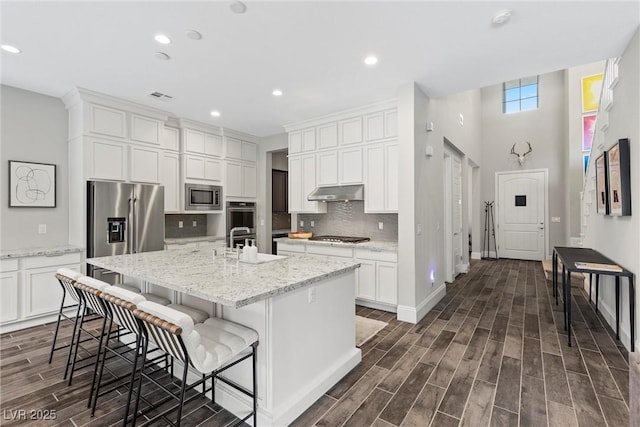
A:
[521,215]
[456,210]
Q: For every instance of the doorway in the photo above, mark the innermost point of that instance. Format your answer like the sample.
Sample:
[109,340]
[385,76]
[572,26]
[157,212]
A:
[522,206]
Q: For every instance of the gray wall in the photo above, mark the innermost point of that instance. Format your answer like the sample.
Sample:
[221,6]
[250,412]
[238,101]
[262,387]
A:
[544,128]
[280,161]
[34,129]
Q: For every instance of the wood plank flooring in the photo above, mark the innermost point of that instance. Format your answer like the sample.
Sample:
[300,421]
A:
[493,352]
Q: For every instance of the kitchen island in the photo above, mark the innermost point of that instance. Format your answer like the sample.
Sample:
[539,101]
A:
[302,308]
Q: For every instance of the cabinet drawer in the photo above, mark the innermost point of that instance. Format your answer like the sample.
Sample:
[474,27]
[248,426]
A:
[288,247]
[8,264]
[330,251]
[377,255]
[53,260]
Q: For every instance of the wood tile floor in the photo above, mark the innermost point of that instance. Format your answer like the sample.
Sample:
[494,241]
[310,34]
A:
[492,352]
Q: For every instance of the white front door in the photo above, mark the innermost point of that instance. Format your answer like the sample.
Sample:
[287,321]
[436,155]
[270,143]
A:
[521,206]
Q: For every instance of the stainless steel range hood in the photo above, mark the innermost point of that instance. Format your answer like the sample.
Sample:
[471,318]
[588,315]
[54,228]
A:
[338,193]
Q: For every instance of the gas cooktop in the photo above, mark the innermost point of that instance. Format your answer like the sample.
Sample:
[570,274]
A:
[340,239]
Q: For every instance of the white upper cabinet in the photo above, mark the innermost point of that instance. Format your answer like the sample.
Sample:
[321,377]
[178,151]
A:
[107,121]
[327,136]
[234,148]
[391,177]
[374,126]
[213,145]
[170,138]
[350,131]
[106,160]
[145,165]
[302,181]
[249,151]
[202,168]
[350,166]
[241,180]
[391,123]
[202,143]
[249,181]
[328,168]
[144,129]
[295,142]
[381,178]
[170,178]
[309,139]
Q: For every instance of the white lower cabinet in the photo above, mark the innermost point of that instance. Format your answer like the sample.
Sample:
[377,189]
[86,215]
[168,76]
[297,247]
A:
[366,280]
[387,282]
[30,292]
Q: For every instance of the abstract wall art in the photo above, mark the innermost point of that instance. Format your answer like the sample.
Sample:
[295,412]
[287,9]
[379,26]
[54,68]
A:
[32,185]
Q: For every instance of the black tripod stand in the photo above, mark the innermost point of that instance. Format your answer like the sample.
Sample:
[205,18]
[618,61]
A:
[489,231]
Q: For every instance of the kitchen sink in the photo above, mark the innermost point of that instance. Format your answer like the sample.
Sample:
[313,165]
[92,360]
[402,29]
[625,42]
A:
[262,258]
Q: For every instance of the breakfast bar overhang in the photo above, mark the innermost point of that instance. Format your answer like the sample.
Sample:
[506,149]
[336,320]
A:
[302,308]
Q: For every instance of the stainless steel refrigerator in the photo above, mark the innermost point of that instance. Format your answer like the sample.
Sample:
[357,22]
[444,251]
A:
[123,219]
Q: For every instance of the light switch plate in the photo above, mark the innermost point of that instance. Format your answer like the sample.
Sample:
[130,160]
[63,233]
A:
[301,223]
[42,228]
[555,219]
[381,225]
[180,224]
[312,223]
[195,223]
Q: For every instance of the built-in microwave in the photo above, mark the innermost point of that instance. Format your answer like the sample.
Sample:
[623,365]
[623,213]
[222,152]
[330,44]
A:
[202,197]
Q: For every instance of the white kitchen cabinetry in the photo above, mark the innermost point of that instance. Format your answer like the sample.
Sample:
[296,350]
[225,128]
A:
[241,180]
[391,123]
[249,151]
[309,139]
[107,121]
[302,181]
[295,142]
[170,178]
[249,184]
[145,165]
[290,249]
[170,138]
[9,290]
[198,142]
[107,160]
[327,136]
[350,131]
[205,245]
[366,280]
[202,168]
[381,125]
[381,178]
[350,166]
[145,129]
[328,167]
[234,148]
[377,282]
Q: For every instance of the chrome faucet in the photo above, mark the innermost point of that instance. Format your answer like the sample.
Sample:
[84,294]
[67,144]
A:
[233,231]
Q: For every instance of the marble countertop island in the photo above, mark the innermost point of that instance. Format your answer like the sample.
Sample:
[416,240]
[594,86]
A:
[373,245]
[223,280]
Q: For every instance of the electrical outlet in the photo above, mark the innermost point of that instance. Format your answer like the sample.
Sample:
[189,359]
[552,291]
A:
[419,229]
[301,223]
[42,228]
[381,225]
[312,294]
[313,224]
[180,224]
[195,223]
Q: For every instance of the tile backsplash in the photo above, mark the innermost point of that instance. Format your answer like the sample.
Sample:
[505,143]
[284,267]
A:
[349,219]
[172,229]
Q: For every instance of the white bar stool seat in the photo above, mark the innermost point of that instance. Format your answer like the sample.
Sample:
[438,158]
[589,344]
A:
[147,295]
[197,316]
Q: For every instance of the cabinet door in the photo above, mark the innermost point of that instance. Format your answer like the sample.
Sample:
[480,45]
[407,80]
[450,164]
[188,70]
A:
[107,121]
[170,178]
[42,292]
[194,167]
[295,142]
[374,187]
[350,163]
[193,141]
[213,145]
[350,131]
[234,148]
[328,168]
[234,180]
[145,165]
[391,123]
[295,184]
[144,129]
[327,136]
[308,182]
[374,126]
[107,160]
[387,291]
[170,139]
[213,170]
[309,139]
[249,183]
[9,296]
[391,178]
[249,151]
[366,280]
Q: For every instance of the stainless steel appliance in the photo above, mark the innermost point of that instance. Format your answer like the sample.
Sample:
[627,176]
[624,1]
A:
[241,214]
[123,219]
[340,239]
[339,193]
[202,197]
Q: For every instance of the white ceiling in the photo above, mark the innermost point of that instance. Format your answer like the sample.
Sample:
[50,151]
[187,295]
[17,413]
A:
[313,51]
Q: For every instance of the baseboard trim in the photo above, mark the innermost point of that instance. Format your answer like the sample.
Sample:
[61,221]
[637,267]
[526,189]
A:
[462,268]
[415,314]
[476,255]
[609,315]
[377,305]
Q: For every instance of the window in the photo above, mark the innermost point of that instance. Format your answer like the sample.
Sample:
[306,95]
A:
[520,95]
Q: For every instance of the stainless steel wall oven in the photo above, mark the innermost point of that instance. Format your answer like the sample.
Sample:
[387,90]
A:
[241,214]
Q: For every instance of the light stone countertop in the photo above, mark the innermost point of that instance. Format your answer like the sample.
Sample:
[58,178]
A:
[27,252]
[223,280]
[373,245]
[184,240]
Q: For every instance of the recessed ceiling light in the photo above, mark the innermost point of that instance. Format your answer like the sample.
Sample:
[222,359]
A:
[238,7]
[371,60]
[162,56]
[162,39]
[277,92]
[10,49]
[501,17]
[215,113]
[193,35]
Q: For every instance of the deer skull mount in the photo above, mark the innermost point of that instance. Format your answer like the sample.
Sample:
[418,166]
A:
[521,156]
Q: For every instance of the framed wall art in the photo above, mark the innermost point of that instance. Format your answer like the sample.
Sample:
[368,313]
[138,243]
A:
[591,88]
[588,127]
[619,178]
[32,185]
[602,195]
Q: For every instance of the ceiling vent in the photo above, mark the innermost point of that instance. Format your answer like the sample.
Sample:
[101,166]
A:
[161,96]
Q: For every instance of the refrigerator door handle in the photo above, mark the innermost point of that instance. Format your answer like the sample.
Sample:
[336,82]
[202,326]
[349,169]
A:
[134,240]
[130,220]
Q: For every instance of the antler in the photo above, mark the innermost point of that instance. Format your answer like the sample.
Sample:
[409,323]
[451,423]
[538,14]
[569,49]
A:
[513,151]
[530,149]
[521,156]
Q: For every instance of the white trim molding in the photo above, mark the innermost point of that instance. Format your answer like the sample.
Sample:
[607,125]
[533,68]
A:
[415,314]
[476,255]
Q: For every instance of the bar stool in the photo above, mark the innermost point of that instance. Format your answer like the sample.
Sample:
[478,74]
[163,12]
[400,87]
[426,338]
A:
[66,278]
[147,295]
[210,348]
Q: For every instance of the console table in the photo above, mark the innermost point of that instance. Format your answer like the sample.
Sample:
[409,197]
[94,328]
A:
[569,257]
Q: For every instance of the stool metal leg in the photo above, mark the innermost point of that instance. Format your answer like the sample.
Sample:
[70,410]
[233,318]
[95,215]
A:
[632,311]
[597,290]
[55,334]
[618,307]
[95,368]
[255,386]
[564,296]
[590,282]
[569,307]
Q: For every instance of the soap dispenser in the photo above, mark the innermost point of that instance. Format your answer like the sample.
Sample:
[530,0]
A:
[252,252]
